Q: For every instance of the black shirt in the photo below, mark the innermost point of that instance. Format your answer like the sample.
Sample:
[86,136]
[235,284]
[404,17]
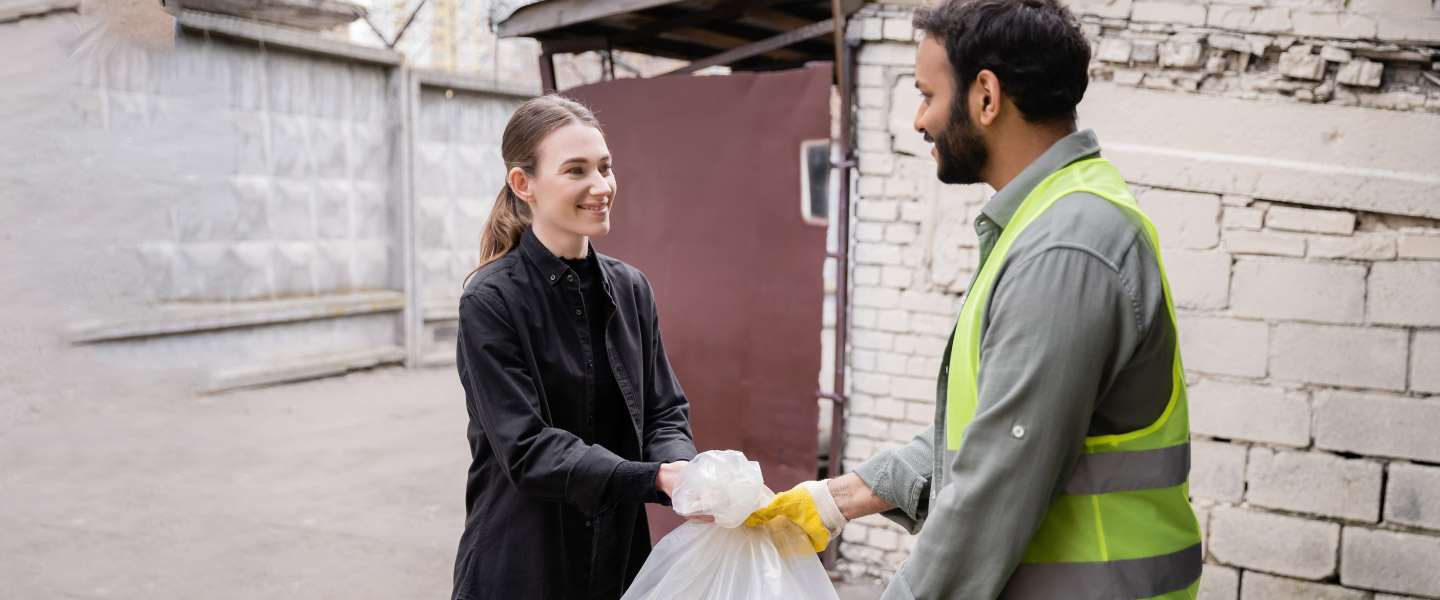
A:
[605,418]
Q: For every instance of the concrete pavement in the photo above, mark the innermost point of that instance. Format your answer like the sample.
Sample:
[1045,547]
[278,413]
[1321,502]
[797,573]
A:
[349,487]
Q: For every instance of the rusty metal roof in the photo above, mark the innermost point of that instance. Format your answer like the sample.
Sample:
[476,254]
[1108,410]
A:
[791,32]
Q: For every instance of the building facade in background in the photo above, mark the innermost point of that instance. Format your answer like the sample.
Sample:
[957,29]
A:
[1289,154]
[445,35]
[456,36]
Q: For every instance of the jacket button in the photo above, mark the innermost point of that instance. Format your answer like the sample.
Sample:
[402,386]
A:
[552,278]
[1018,431]
[578,312]
[587,523]
[569,278]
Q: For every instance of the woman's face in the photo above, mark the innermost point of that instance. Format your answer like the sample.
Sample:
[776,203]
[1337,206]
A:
[573,188]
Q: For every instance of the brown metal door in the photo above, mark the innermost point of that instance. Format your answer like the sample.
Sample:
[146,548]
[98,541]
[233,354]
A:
[708,205]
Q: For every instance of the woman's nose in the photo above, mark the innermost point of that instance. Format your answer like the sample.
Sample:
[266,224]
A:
[599,186]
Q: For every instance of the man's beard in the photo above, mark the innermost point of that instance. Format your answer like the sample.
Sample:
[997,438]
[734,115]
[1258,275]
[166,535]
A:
[960,147]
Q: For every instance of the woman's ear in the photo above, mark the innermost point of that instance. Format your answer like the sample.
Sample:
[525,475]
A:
[519,184]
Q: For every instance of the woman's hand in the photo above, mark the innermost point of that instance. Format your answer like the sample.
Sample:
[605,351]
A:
[665,482]
[669,474]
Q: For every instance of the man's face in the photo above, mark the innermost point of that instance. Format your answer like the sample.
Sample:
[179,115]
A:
[944,118]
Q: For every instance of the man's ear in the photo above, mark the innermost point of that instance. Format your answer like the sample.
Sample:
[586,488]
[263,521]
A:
[985,94]
[519,184]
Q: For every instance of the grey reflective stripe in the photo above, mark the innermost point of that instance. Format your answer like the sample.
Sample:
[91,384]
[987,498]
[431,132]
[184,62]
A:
[1113,580]
[1129,471]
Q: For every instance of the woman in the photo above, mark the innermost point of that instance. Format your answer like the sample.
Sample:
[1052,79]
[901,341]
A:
[576,419]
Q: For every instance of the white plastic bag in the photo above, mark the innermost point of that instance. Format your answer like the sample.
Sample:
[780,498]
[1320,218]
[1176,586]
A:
[726,560]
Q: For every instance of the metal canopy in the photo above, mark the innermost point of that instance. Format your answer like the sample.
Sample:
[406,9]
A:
[746,35]
[314,15]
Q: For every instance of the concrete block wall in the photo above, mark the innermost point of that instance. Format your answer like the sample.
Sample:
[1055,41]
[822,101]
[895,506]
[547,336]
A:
[259,174]
[323,195]
[458,173]
[457,151]
[1310,332]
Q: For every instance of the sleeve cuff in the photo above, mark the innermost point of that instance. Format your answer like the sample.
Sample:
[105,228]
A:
[894,481]
[671,452]
[589,479]
[633,481]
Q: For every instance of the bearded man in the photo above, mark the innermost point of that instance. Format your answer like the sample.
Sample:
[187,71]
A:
[1058,461]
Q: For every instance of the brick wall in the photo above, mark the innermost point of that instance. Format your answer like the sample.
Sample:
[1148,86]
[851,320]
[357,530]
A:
[1308,314]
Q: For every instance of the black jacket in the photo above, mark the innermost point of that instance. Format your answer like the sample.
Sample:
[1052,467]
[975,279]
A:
[523,358]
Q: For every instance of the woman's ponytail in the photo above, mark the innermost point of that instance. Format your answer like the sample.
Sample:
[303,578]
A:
[507,222]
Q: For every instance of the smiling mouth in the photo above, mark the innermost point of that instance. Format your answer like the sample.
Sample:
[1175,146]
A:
[596,208]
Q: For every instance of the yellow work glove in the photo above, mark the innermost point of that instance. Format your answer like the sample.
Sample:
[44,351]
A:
[810,506]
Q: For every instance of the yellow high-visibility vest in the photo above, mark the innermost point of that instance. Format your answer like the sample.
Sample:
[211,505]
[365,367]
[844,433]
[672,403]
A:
[1123,528]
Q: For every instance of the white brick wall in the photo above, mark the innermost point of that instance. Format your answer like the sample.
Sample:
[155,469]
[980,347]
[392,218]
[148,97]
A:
[1367,357]
[1405,293]
[1224,346]
[1250,412]
[1412,495]
[1268,288]
[1391,562]
[1274,543]
[1310,329]
[1264,243]
[1199,280]
[1219,583]
[1378,425]
[1183,219]
[1217,471]
[1426,247]
[1259,586]
[1359,247]
[1314,483]
[1287,218]
[1425,362]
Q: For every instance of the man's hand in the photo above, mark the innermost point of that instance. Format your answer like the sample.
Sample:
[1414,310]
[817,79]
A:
[811,507]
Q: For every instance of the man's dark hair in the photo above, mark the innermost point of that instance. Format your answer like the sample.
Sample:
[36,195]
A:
[1034,47]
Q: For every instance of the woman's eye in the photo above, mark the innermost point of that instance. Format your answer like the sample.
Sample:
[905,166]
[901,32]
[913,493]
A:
[606,169]
[576,171]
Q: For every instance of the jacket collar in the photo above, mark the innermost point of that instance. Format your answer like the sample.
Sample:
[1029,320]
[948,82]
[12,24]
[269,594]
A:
[550,265]
[1002,206]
